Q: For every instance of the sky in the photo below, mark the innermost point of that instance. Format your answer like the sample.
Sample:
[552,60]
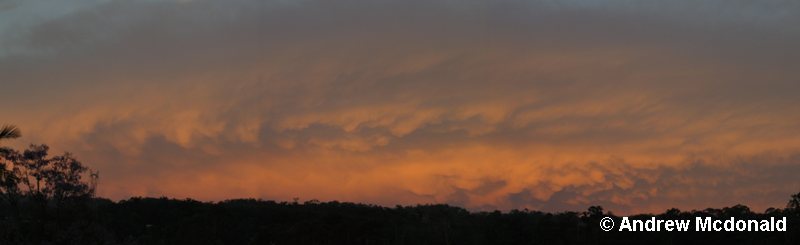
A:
[638,106]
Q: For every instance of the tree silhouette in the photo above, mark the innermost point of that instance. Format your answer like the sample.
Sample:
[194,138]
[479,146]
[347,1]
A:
[794,203]
[45,178]
[9,132]
[8,174]
[594,212]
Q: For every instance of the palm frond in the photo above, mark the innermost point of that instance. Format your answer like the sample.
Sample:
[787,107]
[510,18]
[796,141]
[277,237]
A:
[9,132]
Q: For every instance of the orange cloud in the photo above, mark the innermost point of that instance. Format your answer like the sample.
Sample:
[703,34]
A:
[363,103]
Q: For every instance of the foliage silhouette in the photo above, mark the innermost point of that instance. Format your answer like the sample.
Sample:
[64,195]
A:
[794,203]
[9,132]
[45,201]
[33,175]
[250,221]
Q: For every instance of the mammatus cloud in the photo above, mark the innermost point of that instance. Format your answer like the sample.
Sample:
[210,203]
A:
[546,105]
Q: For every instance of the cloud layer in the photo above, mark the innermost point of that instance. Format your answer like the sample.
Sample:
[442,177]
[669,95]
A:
[553,105]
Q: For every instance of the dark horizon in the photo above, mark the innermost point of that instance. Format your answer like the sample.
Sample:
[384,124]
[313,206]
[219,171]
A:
[45,199]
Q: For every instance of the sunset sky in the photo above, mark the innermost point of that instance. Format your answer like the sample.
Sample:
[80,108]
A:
[637,106]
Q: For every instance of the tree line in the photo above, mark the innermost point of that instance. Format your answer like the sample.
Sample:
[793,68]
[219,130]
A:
[49,200]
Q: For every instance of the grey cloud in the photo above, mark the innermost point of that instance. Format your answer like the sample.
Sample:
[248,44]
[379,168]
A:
[155,86]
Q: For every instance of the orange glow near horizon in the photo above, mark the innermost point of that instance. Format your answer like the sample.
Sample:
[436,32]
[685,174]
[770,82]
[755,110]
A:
[473,105]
